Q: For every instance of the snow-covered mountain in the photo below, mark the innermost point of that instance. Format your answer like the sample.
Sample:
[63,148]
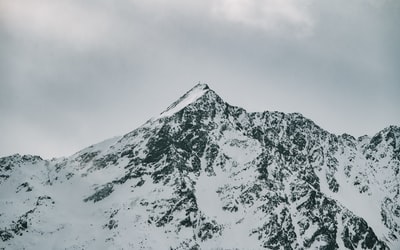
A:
[208,175]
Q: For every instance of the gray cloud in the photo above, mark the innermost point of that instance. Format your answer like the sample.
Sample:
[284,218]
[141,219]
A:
[73,73]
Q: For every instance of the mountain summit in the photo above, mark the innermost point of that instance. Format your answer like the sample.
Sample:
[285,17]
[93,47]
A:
[208,175]
[191,96]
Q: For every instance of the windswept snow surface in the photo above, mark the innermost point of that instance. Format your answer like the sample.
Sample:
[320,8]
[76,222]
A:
[190,97]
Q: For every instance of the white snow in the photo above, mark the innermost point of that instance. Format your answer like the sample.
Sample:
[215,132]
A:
[101,146]
[362,205]
[188,98]
[208,199]
[237,225]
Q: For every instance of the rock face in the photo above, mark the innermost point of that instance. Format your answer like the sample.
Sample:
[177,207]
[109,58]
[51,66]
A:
[208,175]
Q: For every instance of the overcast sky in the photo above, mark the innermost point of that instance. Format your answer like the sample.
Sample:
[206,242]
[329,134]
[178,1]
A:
[73,73]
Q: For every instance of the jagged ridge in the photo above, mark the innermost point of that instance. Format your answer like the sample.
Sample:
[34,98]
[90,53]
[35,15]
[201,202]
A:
[205,174]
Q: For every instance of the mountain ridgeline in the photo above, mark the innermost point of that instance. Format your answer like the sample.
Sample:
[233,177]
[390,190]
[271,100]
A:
[208,175]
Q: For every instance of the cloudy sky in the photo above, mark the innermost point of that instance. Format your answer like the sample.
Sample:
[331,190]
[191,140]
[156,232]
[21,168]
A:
[73,73]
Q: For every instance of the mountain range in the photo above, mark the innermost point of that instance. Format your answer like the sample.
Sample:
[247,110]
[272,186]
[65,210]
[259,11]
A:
[208,175]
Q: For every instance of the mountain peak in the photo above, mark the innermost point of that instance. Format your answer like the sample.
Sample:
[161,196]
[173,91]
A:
[198,178]
[189,97]
[200,86]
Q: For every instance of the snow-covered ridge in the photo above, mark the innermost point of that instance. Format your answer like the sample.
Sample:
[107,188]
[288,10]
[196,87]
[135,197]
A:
[191,96]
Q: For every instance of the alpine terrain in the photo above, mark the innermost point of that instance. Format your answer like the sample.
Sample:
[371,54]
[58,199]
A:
[208,175]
